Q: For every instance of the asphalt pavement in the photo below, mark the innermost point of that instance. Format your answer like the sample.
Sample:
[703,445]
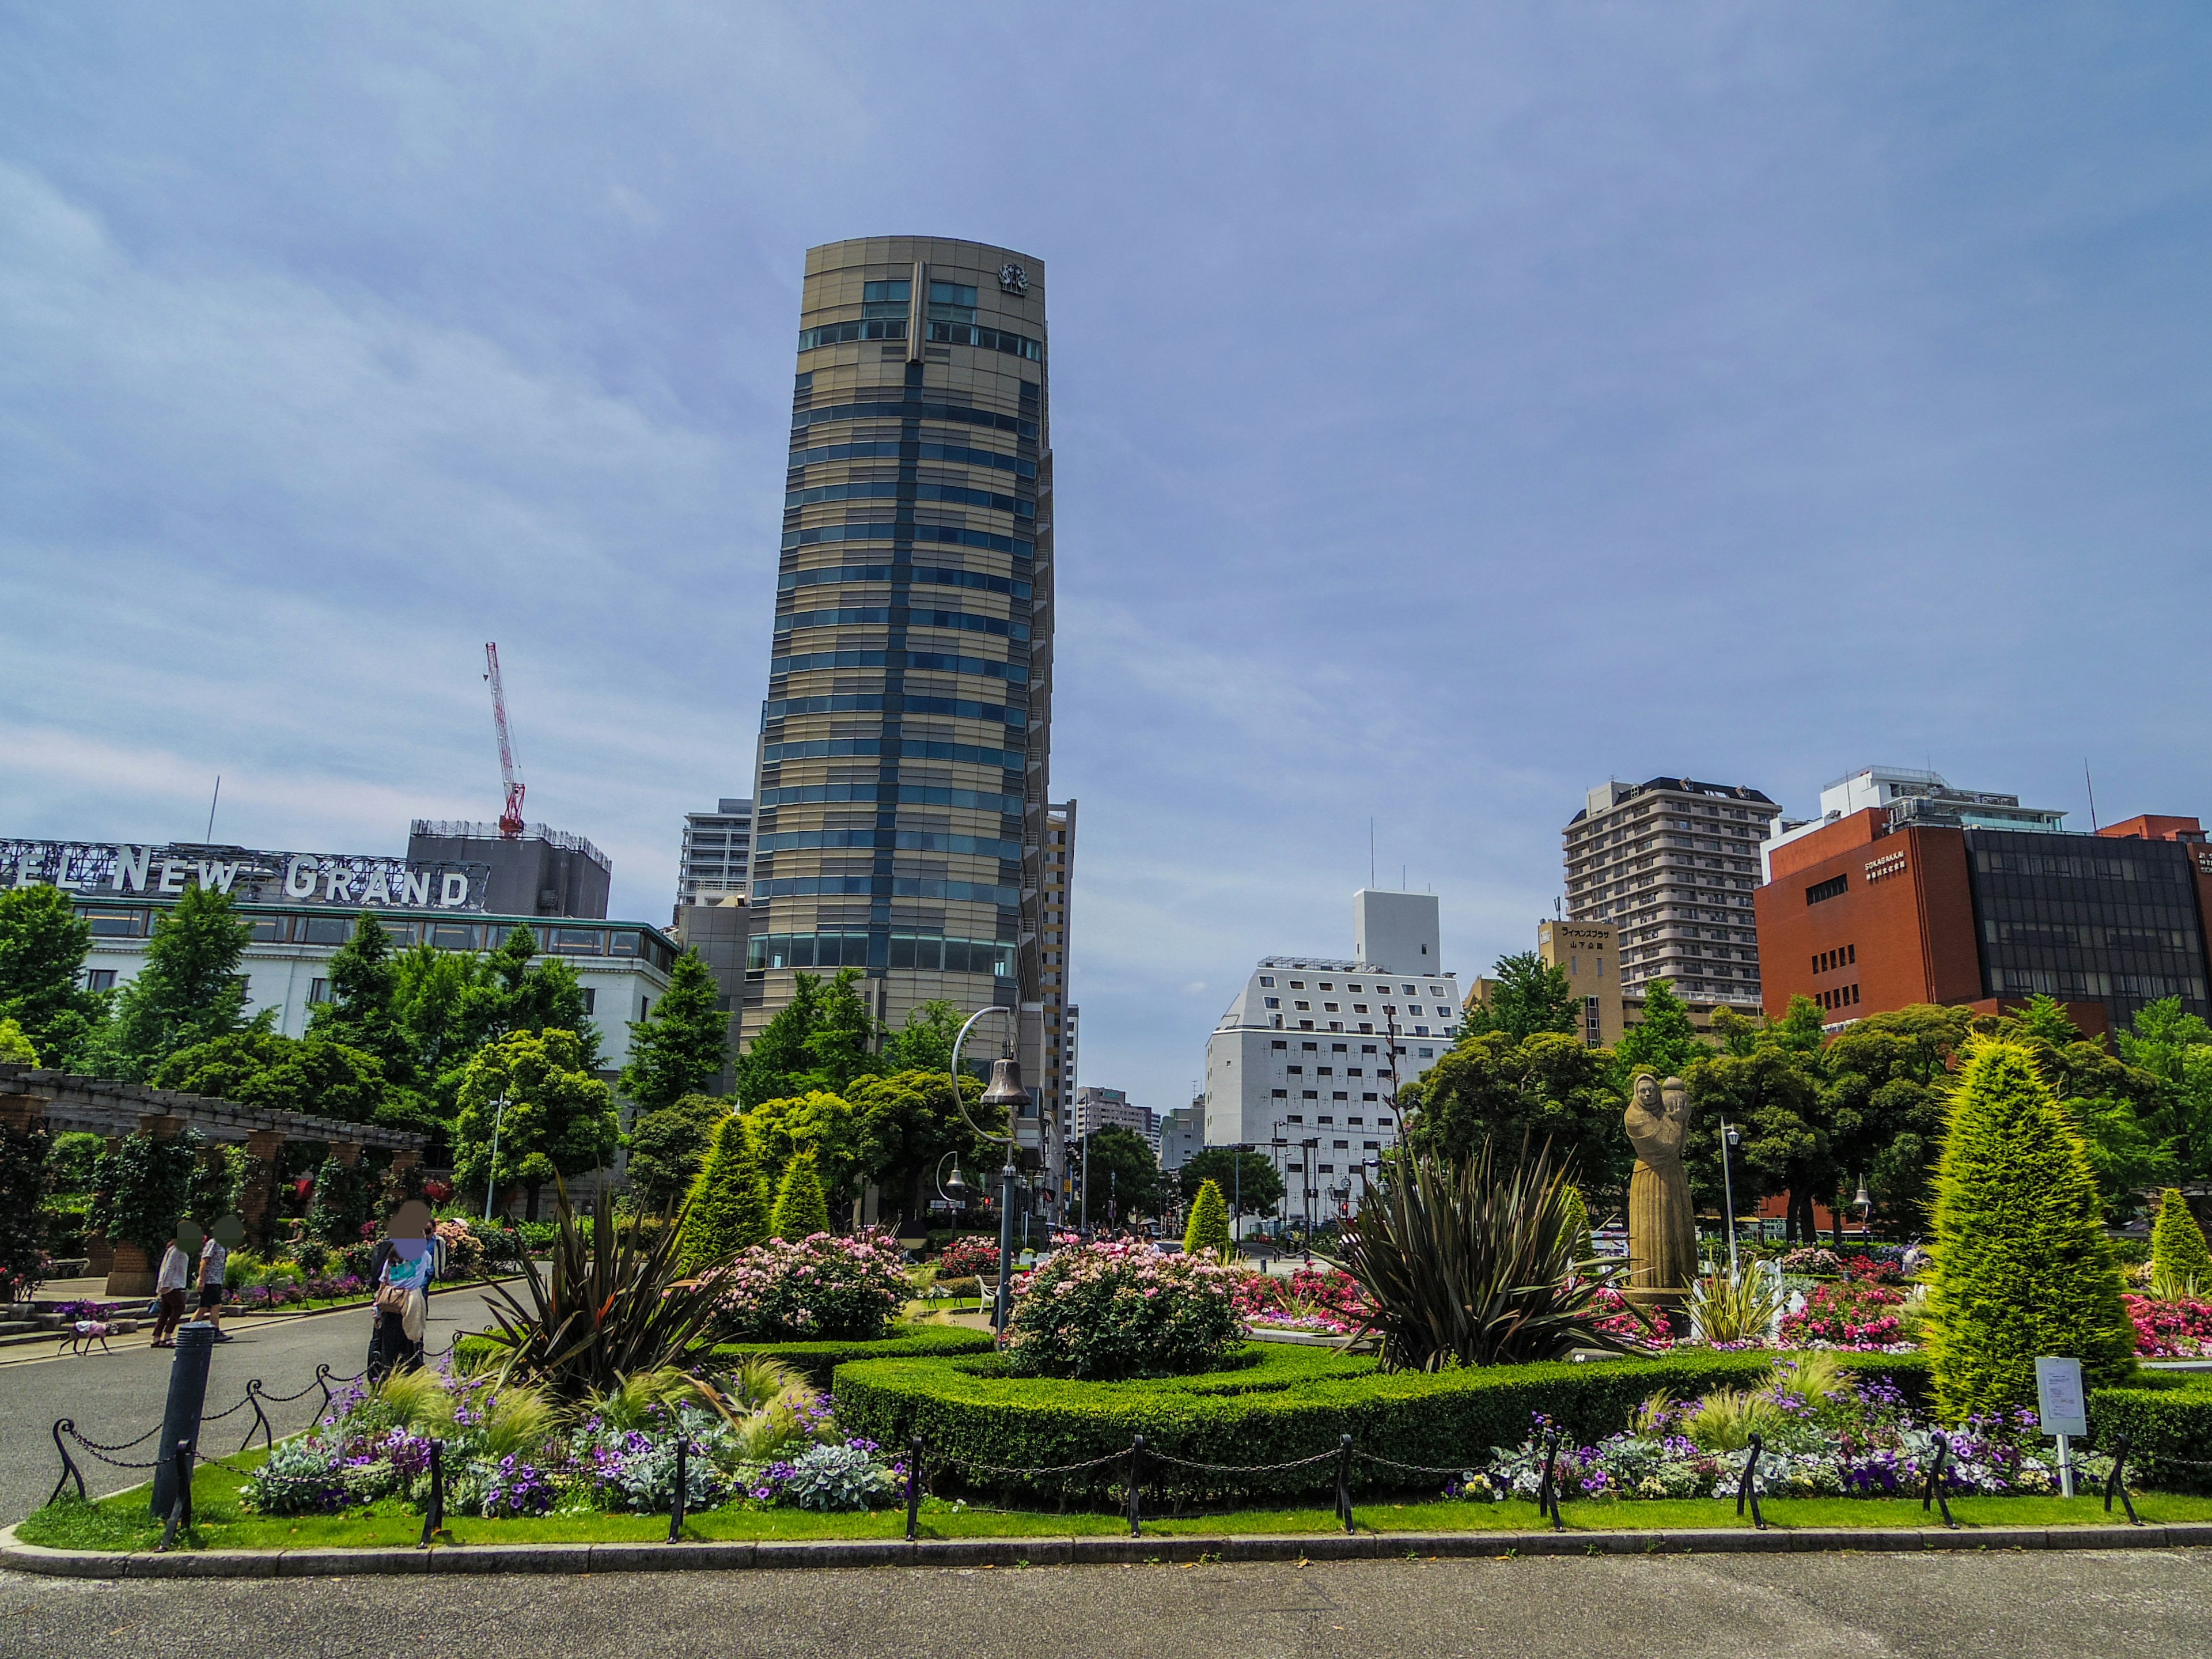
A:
[1999,1606]
[115,1395]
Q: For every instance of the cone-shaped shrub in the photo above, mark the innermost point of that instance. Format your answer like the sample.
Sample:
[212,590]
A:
[2023,1267]
[1208,1230]
[727,1208]
[2180,1264]
[800,1209]
[1578,1223]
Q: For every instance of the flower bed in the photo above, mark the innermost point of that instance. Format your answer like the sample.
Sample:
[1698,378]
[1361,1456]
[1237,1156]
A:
[1325,1299]
[1825,1433]
[510,1452]
[822,1288]
[967,1256]
[2180,1329]
[1272,1405]
[1855,1314]
[1116,1310]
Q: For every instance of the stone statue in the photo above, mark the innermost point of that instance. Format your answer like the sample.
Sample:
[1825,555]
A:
[1662,1229]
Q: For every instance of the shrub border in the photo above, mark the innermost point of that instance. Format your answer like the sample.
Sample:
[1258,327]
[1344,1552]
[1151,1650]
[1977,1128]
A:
[1285,1404]
[2168,1419]
[817,1360]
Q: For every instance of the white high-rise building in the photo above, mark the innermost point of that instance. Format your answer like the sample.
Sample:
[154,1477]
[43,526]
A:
[1308,1061]
[717,847]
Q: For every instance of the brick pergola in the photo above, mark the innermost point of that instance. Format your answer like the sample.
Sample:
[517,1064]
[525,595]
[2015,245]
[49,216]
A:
[67,1101]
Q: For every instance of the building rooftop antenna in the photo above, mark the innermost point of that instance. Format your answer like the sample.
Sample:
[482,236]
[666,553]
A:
[510,818]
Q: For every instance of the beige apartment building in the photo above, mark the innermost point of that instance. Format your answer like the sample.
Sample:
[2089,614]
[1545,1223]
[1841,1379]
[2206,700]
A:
[900,816]
[1671,863]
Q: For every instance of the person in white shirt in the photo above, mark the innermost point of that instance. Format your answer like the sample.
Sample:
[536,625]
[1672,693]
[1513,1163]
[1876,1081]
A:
[214,1266]
[176,1271]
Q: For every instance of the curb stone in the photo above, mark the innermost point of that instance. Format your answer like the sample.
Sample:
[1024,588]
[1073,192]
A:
[940,1553]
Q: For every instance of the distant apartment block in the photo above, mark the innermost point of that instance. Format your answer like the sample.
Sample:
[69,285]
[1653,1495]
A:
[1672,863]
[717,849]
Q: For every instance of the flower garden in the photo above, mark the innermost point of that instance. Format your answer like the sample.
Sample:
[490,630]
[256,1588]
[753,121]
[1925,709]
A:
[1486,1360]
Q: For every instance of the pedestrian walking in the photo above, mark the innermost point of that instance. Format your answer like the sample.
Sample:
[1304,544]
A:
[169,1283]
[403,1290]
[227,1235]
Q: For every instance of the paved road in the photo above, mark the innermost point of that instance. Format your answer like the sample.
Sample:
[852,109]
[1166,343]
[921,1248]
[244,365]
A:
[116,1395]
[1829,1606]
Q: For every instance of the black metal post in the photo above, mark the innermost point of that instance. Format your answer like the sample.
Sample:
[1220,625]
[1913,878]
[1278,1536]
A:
[180,1418]
[1748,1488]
[1935,1487]
[1343,1483]
[322,1382]
[1548,1494]
[433,1517]
[1001,1307]
[69,1470]
[675,1504]
[913,1489]
[2115,1486]
[1136,1485]
[180,1483]
[260,1418]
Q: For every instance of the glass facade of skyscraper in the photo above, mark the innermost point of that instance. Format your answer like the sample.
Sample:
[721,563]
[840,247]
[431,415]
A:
[906,734]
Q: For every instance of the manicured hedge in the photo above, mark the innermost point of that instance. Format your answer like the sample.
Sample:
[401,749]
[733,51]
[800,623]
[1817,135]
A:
[907,1342]
[1279,1404]
[817,1359]
[2168,1419]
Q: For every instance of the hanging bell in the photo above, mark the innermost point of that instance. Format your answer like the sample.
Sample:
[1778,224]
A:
[1863,1201]
[1006,1088]
[956,1187]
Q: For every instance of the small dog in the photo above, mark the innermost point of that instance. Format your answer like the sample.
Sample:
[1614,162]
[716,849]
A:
[83,1333]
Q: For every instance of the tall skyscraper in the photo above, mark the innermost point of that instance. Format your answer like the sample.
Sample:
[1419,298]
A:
[905,741]
[1672,864]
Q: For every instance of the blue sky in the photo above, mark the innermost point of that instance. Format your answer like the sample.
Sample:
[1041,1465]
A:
[1454,407]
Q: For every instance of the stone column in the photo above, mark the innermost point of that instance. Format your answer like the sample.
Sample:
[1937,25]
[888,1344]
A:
[20,1112]
[347,1152]
[129,1272]
[257,1198]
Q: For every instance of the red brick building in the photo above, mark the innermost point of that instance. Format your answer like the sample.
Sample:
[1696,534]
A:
[1862,918]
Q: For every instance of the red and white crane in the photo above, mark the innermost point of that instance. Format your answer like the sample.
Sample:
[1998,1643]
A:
[510,820]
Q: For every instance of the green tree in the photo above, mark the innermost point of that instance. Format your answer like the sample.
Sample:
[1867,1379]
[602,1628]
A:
[668,1147]
[682,1044]
[2101,1094]
[218,1176]
[907,1122]
[70,1163]
[43,943]
[821,1041]
[341,1202]
[924,1042]
[728,1207]
[1771,1099]
[820,1122]
[1529,995]
[2180,1263]
[140,1188]
[559,1119]
[16,1048]
[1124,1175]
[1549,1087]
[24,1156]
[364,985]
[1886,1096]
[800,1211]
[2176,1049]
[1664,1042]
[1250,1180]
[189,991]
[1208,1231]
[260,1067]
[439,1003]
[2022,1265]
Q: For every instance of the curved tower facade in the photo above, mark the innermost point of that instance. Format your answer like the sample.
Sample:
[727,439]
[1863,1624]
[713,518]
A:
[906,735]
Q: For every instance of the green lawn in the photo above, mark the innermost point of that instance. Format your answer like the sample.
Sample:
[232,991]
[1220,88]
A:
[123,1523]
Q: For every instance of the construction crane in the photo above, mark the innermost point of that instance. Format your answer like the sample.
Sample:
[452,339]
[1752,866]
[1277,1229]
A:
[510,820]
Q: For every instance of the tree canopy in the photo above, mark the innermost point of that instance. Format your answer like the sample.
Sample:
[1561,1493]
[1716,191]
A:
[1124,1177]
[1249,1180]
[559,1119]
[1547,1087]
[682,1044]
[1529,995]
[189,992]
[43,944]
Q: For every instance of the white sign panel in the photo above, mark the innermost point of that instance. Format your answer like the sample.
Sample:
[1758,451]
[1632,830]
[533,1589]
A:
[2059,1400]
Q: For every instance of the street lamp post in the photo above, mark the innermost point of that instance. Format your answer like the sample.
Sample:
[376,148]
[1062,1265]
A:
[1006,1091]
[1729,1137]
[491,1176]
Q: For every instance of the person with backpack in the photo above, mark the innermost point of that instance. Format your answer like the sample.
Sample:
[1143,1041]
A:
[404,1265]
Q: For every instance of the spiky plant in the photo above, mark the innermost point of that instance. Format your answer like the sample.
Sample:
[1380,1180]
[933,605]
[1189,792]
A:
[616,1306]
[1468,1263]
[1726,1418]
[1735,1310]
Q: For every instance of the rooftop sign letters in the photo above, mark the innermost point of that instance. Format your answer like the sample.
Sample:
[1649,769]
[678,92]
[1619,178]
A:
[342,880]
[1889,864]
